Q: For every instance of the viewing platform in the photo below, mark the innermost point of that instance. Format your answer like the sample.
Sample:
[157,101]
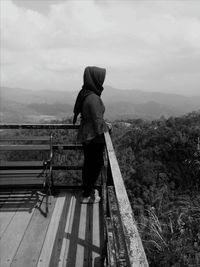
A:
[71,235]
[67,232]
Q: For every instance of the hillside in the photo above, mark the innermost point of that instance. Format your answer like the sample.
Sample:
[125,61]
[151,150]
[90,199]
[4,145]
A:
[34,96]
[160,164]
[20,105]
[149,110]
[165,104]
[14,112]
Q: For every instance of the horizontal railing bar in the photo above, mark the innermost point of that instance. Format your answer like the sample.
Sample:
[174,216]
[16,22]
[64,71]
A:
[136,254]
[39,147]
[20,172]
[29,167]
[25,138]
[20,186]
[24,147]
[21,163]
[67,147]
[34,167]
[39,126]
[67,168]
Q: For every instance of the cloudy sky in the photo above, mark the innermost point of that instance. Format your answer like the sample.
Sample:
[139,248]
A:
[145,45]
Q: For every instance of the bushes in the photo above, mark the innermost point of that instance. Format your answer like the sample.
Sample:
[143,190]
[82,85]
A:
[161,169]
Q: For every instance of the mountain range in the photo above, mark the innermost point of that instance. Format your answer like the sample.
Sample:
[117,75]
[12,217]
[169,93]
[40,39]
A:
[20,105]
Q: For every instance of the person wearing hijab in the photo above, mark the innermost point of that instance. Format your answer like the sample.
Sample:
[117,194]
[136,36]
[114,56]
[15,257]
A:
[92,126]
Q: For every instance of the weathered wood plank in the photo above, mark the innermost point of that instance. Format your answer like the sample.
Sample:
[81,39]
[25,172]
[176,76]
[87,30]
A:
[25,138]
[29,250]
[104,211]
[119,239]
[39,126]
[23,165]
[20,181]
[81,258]
[65,239]
[35,166]
[16,164]
[47,249]
[13,235]
[24,147]
[89,231]
[133,241]
[110,245]
[6,217]
[55,259]
[96,236]
[21,172]
[69,258]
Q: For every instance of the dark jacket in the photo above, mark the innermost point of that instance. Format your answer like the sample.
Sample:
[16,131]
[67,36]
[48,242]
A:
[92,123]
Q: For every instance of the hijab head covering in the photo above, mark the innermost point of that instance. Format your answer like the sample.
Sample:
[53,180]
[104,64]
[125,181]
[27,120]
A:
[93,80]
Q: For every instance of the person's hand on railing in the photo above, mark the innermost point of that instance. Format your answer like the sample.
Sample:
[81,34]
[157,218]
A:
[74,119]
[109,125]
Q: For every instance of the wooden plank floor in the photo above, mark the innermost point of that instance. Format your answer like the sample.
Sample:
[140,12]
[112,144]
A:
[71,234]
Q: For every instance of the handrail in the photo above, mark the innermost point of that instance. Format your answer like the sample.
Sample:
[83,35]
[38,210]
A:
[133,241]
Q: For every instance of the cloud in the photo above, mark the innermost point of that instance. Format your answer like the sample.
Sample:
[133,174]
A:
[146,45]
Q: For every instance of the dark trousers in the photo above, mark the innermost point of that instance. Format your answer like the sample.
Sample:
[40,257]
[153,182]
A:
[93,162]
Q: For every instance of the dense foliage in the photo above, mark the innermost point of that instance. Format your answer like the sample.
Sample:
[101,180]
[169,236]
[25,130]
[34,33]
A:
[160,163]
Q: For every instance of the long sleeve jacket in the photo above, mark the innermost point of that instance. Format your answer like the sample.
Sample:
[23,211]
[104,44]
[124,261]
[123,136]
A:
[92,122]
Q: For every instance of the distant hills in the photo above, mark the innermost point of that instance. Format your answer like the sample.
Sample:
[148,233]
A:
[149,105]
[20,105]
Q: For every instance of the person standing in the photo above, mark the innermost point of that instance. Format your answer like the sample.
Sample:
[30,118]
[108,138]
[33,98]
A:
[92,126]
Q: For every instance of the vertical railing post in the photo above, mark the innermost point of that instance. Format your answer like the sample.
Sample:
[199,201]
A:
[104,205]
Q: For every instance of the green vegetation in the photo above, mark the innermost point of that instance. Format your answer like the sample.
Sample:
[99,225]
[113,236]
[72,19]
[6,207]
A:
[160,164]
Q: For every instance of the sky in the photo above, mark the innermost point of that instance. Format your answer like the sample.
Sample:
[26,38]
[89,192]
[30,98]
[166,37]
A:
[144,45]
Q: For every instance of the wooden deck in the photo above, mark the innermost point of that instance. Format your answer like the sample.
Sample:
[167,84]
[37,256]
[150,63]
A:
[71,234]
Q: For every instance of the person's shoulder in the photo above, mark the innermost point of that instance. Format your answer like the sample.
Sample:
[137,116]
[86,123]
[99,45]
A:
[93,98]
